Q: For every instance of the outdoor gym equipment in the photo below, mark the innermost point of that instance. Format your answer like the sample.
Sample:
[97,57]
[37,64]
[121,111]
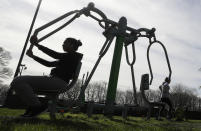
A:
[143,87]
[52,95]
[124,36]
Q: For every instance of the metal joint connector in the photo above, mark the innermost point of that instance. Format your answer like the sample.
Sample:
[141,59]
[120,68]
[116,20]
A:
[122,26]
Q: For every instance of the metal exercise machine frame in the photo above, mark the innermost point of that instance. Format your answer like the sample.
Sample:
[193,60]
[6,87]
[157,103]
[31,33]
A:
[123,34]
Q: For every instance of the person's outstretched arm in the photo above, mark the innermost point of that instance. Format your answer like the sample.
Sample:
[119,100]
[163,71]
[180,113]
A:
[51,53]
[42,61]
[160,87]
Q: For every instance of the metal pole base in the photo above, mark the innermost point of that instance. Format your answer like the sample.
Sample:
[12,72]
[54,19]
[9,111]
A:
[109,108]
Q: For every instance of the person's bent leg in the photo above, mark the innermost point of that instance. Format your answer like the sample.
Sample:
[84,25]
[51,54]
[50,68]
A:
[25,91]
[26,94]
[35,84]
[170,108]
[162,108]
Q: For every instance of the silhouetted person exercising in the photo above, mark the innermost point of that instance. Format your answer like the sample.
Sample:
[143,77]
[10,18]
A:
[165,96]
[64,67]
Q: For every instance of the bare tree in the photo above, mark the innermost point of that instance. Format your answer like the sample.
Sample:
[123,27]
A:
[73,93]
[183,96]
[199,103]
[129,97]
[96,91]
[3,92]
[100,91]
[153,95]
[5,72]
[120,97]
[5,57]
[140,100]
[90,92]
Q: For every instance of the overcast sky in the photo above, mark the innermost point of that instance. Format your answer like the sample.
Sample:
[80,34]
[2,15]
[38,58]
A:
[177,24]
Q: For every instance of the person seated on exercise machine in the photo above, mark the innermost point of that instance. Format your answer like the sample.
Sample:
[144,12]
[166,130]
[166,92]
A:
[165,96]
[64,67]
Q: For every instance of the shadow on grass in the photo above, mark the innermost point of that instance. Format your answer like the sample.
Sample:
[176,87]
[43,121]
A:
[95,122]
[126,122]
[8,124]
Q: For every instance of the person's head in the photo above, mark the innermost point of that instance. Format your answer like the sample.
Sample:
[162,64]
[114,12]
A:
[167,80]
[71,44]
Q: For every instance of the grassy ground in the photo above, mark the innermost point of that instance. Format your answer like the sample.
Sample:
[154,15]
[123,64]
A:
[9,121]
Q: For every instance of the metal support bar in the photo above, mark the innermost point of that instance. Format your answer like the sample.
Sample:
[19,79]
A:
[131,64]
[27,39]
[101,54]
[114,73]
[134,85]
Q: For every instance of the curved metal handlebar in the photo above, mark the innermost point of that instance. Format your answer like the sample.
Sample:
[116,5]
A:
[85,11]
[54,21]
[127,56]
[167,59]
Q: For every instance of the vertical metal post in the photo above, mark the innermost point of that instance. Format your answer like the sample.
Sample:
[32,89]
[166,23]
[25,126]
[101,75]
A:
[114,72]
[134,86]
[27,40]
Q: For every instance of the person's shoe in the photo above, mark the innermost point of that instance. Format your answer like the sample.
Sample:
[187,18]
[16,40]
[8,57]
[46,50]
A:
[37,110]
[24,115]
[169,118]
[159,119]
[27,112]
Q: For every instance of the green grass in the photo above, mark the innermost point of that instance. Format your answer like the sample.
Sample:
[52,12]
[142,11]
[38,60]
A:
[9,121]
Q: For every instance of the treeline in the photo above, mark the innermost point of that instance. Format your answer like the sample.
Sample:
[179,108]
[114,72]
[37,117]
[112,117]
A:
[5,72]
[181,96]
[3,91]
